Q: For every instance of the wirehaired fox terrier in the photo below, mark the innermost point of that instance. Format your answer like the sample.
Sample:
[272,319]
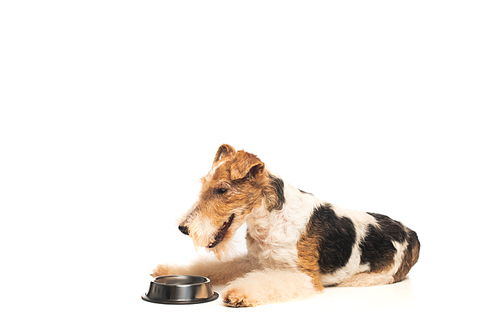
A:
[297,244]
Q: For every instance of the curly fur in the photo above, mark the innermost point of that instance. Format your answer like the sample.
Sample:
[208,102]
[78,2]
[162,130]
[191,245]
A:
[297,244]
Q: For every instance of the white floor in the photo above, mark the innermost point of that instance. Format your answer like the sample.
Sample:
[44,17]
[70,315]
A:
[94,284]
[110,112]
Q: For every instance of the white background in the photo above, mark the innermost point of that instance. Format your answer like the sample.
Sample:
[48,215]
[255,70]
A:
[112,110]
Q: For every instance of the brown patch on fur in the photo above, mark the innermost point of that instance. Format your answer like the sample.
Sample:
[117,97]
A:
[308,257]
[224,150]
[246,165]
[236,185]
[410,257]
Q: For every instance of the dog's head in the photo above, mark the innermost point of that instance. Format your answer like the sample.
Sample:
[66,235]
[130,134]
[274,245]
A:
[234,187]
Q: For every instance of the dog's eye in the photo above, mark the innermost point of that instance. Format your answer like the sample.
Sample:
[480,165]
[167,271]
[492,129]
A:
[221,191]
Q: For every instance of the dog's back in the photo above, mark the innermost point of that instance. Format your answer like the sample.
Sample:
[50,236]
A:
[355,248]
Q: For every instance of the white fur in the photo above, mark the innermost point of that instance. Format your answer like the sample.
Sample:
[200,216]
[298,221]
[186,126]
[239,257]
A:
[269,286]
[276,233]
[200,228]
[219,272]
[398,257]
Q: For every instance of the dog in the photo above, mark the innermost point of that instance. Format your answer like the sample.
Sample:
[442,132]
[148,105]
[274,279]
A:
[297,244]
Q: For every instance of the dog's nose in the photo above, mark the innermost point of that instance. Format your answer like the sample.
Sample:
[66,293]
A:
[184,229]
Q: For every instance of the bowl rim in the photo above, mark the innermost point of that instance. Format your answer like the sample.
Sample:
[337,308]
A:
[206,280]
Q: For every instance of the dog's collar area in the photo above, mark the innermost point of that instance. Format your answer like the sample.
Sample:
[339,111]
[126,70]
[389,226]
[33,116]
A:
[222,232]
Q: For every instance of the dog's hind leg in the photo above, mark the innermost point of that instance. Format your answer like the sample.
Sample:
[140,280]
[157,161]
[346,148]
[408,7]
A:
[367,279]
[269,286]
[406,256]
[218,272]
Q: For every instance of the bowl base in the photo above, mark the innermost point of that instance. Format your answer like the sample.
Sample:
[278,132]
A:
[181,302]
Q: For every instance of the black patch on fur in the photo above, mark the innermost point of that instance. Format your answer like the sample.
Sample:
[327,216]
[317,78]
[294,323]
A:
[394,229]
[336,237]
[279,190]
[377,249]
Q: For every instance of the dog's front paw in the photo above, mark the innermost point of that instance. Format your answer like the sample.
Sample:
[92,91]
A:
[161,270]
[237,297]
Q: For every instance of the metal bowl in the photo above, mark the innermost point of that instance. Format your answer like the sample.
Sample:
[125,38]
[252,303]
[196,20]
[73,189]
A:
[180,289]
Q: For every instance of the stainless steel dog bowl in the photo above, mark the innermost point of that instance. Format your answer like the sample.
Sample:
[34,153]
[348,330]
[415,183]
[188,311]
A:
[180,289]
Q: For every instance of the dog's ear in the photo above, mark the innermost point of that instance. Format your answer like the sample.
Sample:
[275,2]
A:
[224,151]
[246,165]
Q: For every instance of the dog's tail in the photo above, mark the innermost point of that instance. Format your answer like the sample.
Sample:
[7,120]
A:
[415,247]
